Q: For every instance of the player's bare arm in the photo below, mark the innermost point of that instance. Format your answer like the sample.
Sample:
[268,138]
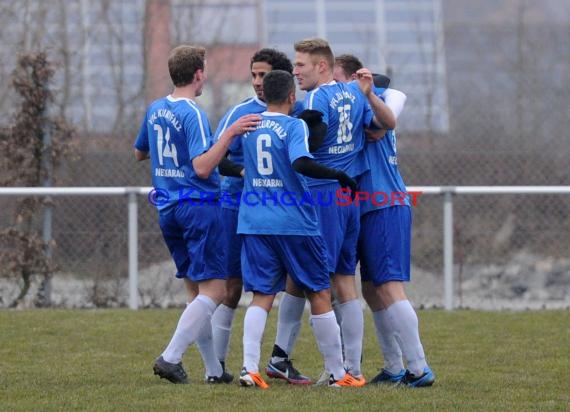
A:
[140,155]
[383,116]
[395,100]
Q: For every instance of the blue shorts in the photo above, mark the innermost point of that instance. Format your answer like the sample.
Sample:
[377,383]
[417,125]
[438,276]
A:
[194,236]
[232,242]
[339,227]
[384,245]
[267,259]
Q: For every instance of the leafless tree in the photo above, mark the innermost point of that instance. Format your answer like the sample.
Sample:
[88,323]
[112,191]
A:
[22,252]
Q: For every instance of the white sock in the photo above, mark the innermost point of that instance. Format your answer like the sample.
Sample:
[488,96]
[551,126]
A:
[327,333]
[222,320]
[336,309]
[288,322]
[404,322]
[253,327]
[205,345]
[352,327]
[189,327]
[390,349]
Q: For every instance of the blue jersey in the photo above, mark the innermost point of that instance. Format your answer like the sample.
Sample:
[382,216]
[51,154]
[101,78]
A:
[383,176]
[272,200]
[173,132]
[347,113]
[234,185]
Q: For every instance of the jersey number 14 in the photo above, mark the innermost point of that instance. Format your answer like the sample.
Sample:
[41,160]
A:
[164,146]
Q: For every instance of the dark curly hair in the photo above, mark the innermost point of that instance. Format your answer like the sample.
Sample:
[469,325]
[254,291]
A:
[275,58]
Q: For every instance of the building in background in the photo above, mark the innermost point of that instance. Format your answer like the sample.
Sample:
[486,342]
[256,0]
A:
[112,54]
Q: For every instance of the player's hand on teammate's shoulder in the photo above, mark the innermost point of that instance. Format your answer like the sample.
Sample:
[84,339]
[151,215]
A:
[245,124]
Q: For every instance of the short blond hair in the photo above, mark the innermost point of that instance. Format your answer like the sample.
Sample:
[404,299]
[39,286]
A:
[316,47]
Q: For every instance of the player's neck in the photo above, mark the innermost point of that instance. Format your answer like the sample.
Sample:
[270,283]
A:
[325,78]
[279,108]
[186,92]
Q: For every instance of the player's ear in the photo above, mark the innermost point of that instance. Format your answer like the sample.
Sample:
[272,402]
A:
[323,66]
[199,75]
[292,98]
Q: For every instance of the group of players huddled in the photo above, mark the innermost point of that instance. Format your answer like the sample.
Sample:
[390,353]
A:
[340,139]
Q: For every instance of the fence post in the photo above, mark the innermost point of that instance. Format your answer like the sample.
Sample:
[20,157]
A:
[44,296]
[448,247]
[133,249]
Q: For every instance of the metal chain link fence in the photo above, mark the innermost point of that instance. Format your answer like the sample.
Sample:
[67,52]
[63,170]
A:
[509,122]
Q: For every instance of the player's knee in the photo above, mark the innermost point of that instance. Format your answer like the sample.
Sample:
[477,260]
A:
[344,288]
[215,289]
[320,301]
[369,295]
[233,295]
[293,289]
[391,292]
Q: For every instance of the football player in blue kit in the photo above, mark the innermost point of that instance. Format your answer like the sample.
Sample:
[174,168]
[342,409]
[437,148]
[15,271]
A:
[280,229]
[262,62]
[176,136]
[347,109]
[384,249]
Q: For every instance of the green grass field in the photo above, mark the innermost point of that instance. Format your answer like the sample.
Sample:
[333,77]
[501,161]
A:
[102,360]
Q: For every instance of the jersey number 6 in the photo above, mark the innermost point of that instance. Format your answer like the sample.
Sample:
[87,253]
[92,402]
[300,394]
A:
[264,161]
